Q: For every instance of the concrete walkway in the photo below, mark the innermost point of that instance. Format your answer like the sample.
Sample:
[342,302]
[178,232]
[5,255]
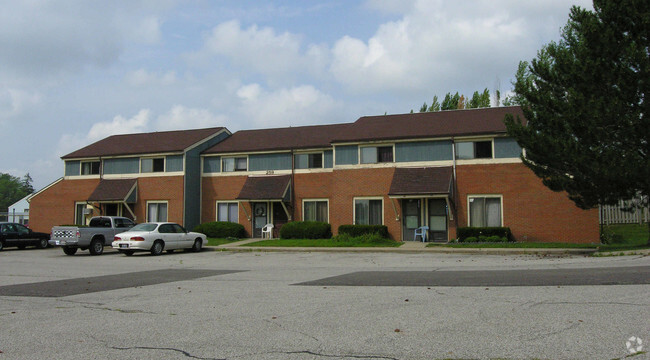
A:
[408,247]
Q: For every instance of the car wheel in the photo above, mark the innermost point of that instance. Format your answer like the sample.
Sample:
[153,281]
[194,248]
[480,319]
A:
[42,244]
[21,246]
[69,250]
[198,244]
[127,252]
[2,245]
[96,247]
[157,248]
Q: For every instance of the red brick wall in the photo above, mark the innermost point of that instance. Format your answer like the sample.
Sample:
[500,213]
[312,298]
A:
[162,188]
[531,210]
[56,205]
[223,188]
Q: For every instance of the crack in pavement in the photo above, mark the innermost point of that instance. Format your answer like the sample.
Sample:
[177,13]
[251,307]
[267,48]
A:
[120,310]
[187,354]
[582,303]
[307,352]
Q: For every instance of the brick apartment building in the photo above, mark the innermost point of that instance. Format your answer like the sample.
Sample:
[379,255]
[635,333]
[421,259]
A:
[443,170]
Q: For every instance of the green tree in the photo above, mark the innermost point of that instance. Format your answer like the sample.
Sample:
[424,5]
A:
[435,104]
[450,102]
[424,107]
[13,189]
[585,101]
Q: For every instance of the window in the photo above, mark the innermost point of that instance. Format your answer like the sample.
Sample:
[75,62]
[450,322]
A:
[21,229]
[368,212]
[315,210]
[484,211]
[234,164]
[156,212]
[123,223]
[308,161]
[152,165]
[79,216]
[474,150]
[228,212]
[376,154]
[90,168]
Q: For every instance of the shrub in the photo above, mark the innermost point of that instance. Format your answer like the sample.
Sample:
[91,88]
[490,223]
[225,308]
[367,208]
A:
[358,230]
[465,232]
[348,240]
[306,230]
[469,239]
[221,229]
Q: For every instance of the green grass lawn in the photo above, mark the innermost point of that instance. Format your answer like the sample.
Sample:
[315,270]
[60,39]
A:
[217,242]
[518,245]
[322,243]
[631,236]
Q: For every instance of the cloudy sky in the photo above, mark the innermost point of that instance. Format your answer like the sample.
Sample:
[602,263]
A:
[73,72]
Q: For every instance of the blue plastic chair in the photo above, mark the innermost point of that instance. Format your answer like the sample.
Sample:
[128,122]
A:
[422,232]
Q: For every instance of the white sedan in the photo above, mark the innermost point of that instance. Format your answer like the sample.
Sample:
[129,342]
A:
[156,237]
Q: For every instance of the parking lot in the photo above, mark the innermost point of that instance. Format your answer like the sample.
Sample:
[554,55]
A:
[259,305]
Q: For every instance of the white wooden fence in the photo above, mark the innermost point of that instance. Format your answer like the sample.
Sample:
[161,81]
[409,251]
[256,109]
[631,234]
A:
[613,214]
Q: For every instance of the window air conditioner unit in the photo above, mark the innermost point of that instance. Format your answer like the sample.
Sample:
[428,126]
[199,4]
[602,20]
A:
[88,211]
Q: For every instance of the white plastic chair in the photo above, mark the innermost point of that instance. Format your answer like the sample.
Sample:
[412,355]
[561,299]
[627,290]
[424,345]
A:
[422,232]
[267,229]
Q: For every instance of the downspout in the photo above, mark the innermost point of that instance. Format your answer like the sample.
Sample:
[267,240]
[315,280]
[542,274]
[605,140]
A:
[293,185]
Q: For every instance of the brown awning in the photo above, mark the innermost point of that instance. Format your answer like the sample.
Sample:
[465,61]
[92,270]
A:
[266,188]
[122,190]
[422,181]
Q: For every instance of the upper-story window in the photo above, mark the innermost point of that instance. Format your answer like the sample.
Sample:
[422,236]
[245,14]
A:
[309,161]
[474,150]
[152,165]
[234,164]
[376,154]
[90,168]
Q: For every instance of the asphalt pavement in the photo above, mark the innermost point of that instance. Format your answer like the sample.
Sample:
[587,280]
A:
[320,305]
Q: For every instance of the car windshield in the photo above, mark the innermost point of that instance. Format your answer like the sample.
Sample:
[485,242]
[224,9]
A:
[144,227]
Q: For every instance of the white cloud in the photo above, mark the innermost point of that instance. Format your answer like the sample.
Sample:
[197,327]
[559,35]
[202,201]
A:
[262,50]
[441,44]
[101,130]
[142,77]
[14,102]
[300,105]
[181,118]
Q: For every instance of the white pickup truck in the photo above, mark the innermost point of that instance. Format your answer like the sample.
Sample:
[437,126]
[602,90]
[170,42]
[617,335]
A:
[99,233]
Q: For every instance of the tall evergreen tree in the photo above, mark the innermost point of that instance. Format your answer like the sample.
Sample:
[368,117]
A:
[585,100]
[13,189]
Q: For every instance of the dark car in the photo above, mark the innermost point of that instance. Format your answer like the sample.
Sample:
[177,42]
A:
[12,234]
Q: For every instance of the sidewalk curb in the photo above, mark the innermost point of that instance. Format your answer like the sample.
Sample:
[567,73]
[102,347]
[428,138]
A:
[478,251]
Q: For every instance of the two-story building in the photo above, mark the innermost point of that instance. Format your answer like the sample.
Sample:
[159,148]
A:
[146,177]
[443,170]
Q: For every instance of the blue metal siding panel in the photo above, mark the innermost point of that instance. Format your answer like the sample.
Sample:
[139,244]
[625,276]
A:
[269,162]
[347,155]
[122,166]
[72,168]
[192,214]
[174,163]
[211,164]
[506,148]
[423,151]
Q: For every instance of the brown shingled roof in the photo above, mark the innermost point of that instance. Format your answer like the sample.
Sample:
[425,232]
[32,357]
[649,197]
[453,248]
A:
[144,143]
[302,137]
[265,188]
[429,124]
[421,181]
[113,190]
